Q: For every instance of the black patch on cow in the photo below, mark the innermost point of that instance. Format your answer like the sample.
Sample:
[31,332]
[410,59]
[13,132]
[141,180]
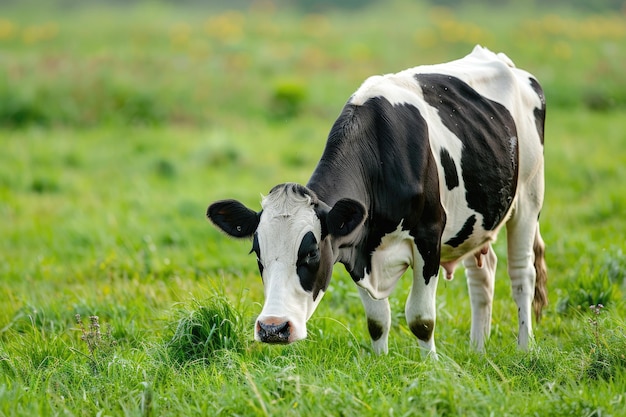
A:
[308,261]
[325,269]
[427,234]
[489,161]
[464,233]
[540,113]
[314,265]
[449,169]
[375,329]
[379,154]
[422,329]
[257,250]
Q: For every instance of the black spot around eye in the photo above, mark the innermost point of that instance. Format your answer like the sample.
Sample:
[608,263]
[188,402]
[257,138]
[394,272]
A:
[308,261]
[308,250]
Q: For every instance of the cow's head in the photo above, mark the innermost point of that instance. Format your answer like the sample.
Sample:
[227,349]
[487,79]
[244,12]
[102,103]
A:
[296,239]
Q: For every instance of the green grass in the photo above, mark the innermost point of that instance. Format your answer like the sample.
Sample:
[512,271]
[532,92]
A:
[120,127]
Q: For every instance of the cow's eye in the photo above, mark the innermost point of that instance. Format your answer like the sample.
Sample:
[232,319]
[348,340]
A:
[312,255]
[310,258]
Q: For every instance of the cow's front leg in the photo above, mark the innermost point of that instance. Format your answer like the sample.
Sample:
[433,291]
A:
[378,315]
[421,313]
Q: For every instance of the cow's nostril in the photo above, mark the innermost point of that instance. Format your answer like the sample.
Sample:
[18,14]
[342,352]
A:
[274,333]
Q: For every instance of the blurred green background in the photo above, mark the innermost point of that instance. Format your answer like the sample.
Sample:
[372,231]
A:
[85,63]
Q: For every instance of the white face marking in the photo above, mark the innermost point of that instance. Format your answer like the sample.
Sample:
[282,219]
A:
[285,219]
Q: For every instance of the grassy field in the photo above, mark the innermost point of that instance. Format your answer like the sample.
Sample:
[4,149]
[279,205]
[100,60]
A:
[119,127]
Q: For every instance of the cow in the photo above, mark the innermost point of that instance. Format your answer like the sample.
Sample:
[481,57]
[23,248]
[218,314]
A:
[421,169]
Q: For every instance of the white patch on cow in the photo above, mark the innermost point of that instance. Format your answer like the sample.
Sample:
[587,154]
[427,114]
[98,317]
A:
[395,88]
[285,219]
[504,58]
[389,261]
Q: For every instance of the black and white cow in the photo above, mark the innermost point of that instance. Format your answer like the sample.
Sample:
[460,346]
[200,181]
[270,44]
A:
[421,169]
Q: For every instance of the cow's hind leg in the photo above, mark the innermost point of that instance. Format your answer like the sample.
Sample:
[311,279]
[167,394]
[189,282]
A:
[480,272]
[378,315]
[521,235]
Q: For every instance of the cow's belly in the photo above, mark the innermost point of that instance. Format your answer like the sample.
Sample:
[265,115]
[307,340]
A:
[450,254]
[464,238]
[451,257]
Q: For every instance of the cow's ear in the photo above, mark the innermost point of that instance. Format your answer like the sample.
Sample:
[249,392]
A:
[233,218]
[346,216]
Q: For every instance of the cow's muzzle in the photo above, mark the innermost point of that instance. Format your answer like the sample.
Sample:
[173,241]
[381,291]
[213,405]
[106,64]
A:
[273,332]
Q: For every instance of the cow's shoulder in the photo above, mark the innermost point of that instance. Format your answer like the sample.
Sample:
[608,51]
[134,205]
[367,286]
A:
[397,89]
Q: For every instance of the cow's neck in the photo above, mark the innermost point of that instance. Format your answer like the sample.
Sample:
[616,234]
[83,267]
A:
[334,179]
[331,183]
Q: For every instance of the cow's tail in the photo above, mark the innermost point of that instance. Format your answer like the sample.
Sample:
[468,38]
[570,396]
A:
[541,281]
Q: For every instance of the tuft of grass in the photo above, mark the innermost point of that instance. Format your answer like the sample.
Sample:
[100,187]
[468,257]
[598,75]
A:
[100,345]
[204,328]
[594,282]
[607,339]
